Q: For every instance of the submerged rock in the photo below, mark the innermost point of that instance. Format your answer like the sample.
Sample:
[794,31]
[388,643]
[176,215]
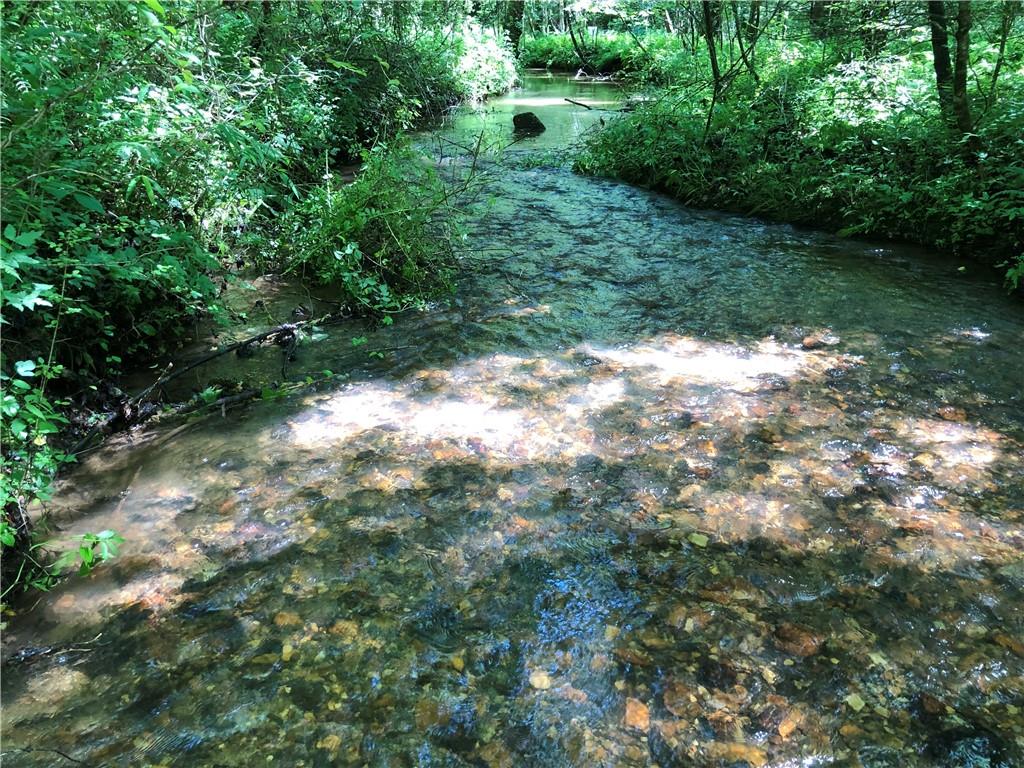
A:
[527,124]
[797,640]
[540,680]
[738,753]
[637,714]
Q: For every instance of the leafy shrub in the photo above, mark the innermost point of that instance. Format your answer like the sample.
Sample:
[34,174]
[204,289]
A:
[663,60]
[860,150]
[128,196]
[31,420]
[548,52]
[659,58]
[383,237]
[606,52]
[151,147]
[486,65]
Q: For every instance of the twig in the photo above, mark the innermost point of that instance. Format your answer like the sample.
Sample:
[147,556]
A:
[284,329]
[54,751]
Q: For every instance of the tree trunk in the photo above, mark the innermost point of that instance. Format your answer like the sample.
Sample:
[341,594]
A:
[262,26]
[709,35]
[398,20]
[816,18]
[940,54]
[513,22]
[577,43]
[751,26]
[1009,14]
[961,104]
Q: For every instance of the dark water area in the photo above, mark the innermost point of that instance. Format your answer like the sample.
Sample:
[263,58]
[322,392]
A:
[659,487]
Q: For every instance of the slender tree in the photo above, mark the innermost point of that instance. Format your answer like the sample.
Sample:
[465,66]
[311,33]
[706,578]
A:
[708,17]
[752,23]
[818,18]
[1010,10]
[940,55]
[961,103]
[512,21]
[747,56]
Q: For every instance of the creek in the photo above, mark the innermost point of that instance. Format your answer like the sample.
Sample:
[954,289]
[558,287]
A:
[657,487]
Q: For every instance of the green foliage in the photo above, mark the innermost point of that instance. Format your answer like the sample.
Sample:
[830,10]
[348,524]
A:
[157,143]
[549,52]
[1015,273]
[149,148]
[30,420]
[854,145]
[87,551]
[650,57]
[486,65]
[664,59]
[383,237]
[40,568]
[606,53]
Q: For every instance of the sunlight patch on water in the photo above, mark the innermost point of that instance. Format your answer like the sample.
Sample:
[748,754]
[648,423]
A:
[724,365]
[530,408]
[962,451]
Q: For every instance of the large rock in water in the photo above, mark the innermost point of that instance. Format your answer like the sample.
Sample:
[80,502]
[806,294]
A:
[527,124]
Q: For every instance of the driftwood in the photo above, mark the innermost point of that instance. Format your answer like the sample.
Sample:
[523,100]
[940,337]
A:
[578,103]
[285,332]
[136,410]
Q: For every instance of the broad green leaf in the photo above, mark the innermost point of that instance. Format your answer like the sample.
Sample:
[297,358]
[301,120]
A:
[27,238]
[25,368]
[89,202]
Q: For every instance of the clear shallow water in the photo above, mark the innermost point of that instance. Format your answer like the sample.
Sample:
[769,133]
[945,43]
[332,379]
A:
[544,95]
[606,509]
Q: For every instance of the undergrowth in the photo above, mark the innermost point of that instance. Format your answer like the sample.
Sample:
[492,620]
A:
[150,149]
[857,147]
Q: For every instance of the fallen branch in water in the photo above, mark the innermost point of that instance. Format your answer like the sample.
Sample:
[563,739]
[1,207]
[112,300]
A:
[29,750]
[31,653]
[222,403]
[626,108]
[282,332]
[247,395]
[135,410]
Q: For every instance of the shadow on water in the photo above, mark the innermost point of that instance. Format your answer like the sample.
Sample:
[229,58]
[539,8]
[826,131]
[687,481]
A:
[661,487]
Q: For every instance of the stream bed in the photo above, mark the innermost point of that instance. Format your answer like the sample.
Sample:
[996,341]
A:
[659,487]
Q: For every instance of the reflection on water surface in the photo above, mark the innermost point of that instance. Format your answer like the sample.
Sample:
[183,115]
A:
[660,488]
